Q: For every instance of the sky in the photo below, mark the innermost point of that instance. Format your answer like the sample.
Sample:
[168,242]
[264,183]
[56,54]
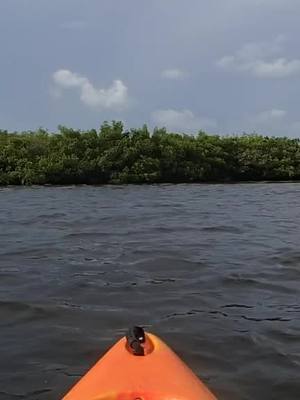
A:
[223,66]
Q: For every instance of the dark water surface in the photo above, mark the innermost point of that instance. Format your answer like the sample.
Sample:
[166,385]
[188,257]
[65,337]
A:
[213,269]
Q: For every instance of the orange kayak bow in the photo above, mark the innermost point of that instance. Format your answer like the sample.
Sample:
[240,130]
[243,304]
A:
[140,367]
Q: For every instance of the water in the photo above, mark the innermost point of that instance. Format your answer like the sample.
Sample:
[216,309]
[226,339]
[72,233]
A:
[213,269]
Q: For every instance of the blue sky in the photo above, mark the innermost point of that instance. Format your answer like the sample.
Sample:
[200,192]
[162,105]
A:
[225,66]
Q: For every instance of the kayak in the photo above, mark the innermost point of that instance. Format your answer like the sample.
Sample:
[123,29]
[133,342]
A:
[140,366]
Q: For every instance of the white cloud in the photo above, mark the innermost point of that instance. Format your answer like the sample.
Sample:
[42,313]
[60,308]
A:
[181,120]
[270,122]
[261,60]
[269,116]
[67,79]
[279,68]
[116,96]
[173,74]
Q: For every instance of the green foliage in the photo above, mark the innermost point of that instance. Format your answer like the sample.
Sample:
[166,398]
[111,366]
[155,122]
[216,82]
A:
[112,155]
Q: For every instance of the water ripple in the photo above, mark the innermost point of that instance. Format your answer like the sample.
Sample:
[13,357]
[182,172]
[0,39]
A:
[213,269]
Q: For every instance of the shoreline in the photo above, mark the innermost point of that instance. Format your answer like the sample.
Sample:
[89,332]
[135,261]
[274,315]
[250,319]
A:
[49,185]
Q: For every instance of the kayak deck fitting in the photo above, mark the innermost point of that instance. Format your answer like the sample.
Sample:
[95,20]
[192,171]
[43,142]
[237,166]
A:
[140,366]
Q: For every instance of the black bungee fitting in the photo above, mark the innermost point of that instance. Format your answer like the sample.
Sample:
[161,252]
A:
[135,337]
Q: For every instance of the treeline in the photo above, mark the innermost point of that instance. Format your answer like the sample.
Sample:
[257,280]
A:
[113,155]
